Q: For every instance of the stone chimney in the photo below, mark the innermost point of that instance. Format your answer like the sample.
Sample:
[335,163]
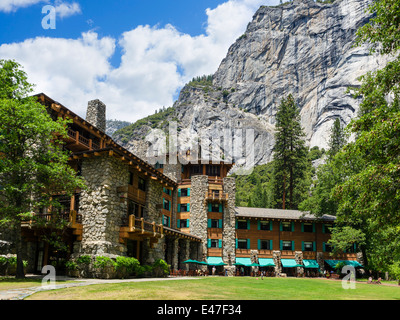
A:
[96,114]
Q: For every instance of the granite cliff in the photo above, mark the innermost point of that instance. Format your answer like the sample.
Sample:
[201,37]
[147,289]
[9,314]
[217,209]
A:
[304,48]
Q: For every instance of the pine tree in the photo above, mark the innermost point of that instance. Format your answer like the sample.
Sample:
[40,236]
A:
[337,139]
[290,156]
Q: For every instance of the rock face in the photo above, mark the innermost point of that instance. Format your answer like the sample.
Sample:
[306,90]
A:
[303,48]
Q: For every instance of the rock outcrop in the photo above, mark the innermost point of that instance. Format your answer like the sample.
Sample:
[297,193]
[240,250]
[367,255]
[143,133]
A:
[303,48]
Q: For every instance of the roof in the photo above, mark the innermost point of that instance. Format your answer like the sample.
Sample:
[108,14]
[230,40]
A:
[247,212]
[112,145]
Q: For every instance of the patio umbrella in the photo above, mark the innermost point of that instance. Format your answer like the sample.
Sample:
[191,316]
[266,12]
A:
[254,265]
[239,264]
[202,262]
[190,261]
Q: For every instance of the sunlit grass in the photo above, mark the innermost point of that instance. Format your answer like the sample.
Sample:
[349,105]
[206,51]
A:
[232,288]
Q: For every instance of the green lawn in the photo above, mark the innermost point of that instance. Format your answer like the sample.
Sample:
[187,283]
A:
[10,283]
[232,288]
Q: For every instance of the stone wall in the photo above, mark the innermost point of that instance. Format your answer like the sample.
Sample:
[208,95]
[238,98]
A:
[229,222]
[101,208]
[199,210]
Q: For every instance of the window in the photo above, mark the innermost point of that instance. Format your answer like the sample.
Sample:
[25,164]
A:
[135,209]
[327,228]
[286,245]
[242,224]
[214,223]
[184,207]
[196,170]
[308,246]
[213,170]
[214,243]
[167,191]
[184,223]
[265,244]
[327,247]
[142,184]
[131,178]
[242,243]
[184,192]
[214,207]
[265,225]
[308,227]
[286,226]
[166,204]
[159,165]
[166,221]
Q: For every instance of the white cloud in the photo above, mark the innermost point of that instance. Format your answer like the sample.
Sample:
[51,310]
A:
[13,5]
[64,10]
[155,63]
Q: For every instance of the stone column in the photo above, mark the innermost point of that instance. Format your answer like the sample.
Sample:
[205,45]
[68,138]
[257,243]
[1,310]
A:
[199,210]
[101,207]
[276,255]
[184,253]
[320,261]
[229,222]
[175,252]
[298,256]
[254,259]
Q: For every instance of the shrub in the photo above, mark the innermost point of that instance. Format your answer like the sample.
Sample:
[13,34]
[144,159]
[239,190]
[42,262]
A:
[71,265]
[130,265]
[104,262]
[84,260]
[160,268]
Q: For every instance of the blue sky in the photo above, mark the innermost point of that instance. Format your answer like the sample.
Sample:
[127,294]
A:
[134,55]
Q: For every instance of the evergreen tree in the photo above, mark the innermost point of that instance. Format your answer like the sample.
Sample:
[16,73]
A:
[290,156]
[337,139]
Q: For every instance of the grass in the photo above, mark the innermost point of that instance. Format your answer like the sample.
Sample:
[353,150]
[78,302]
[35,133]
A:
[11,283]
[232,288]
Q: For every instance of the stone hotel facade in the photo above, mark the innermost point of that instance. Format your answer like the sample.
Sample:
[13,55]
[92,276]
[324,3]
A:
[171,212]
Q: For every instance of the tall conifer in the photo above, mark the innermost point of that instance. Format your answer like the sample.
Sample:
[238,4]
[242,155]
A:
[290,156]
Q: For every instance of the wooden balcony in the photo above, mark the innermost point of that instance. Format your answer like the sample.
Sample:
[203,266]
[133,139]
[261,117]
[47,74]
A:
[132,193]
[216,196]
[138,229]
[72,220]
[77,142]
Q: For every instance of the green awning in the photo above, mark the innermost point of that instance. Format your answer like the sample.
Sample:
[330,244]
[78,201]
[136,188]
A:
[264,262]
[243,261]
[311,264]
[353,263]
[190,261]
[290,263]
[215,261]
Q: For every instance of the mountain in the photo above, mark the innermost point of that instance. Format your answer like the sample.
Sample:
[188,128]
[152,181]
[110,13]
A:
[303,48]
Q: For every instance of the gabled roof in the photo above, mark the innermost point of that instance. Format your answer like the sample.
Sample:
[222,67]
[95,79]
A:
[246,212]
[112,145]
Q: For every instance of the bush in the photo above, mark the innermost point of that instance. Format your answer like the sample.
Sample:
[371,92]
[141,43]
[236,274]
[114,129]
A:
[160,268]
[84,260]
[127,266]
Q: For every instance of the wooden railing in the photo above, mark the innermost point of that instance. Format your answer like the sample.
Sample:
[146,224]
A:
[216,196]
[139,225]
[82,140]
[71,217]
